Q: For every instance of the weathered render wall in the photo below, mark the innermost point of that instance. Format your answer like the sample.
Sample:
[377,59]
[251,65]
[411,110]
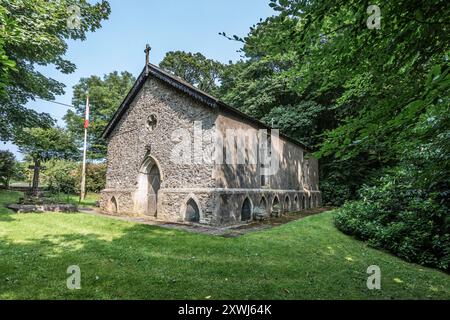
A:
[235,175]
[295,185]
[128,148]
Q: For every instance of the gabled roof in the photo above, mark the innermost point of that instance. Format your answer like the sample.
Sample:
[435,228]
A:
[190,90]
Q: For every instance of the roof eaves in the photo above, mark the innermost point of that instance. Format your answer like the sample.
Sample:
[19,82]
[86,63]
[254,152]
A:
[190,90]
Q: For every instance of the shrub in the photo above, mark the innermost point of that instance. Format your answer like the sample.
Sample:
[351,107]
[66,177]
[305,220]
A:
[7,167]
[396,216]
[65,176]
[333,193]
[95,177]
[61,176]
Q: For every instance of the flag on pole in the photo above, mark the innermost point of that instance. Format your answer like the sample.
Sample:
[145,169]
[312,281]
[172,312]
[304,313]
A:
[83,172]
[86,118]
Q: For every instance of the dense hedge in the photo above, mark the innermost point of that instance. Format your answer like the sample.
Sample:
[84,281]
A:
[95,177]
[334,193]
[393,215]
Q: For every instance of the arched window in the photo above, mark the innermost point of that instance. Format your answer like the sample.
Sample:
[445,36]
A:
[296,202]
[246,212]
[113,205]
[303,202]
[192,211]
[287,203]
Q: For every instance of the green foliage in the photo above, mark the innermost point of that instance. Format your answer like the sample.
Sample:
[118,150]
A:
[370,99]
[426,143]
[35,33]
[194,68]
[7,197]
[319,73]
[260,84]
[63,176]
[6,64]
[397,216]
[408,211]
[95,177]
[7,167]
[334,193]
[105,96]
[45,144]
[91,199]
[302,120]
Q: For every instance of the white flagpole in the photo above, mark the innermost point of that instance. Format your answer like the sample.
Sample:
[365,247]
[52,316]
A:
[83,170]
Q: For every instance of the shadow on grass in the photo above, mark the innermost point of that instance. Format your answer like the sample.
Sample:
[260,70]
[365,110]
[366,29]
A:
[4,217]
[8,197]
[121,260]
[144,262]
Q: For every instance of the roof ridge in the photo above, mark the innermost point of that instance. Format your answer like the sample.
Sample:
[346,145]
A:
[169,74]
[191,90]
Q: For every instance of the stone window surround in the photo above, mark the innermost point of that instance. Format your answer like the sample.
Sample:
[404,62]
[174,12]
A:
[193,197]
[247,197]
[151,122]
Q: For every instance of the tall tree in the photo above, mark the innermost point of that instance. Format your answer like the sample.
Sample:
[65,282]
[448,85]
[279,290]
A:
[44,144]
[365,80]
[6,64]
[195,68]
[105,96]
[35,33]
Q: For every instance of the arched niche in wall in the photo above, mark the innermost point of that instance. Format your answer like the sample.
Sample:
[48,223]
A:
[246,211]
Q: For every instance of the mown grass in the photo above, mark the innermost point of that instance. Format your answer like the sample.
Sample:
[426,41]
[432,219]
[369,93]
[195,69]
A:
[89,201]
[305,259]
[8,197]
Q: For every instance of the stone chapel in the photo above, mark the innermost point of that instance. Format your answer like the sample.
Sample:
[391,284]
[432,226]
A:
[145,176]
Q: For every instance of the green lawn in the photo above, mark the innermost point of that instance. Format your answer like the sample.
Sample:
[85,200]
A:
[7,197]
[89,201]
[305,259]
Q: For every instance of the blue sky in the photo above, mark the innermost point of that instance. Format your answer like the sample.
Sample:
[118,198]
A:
[167,25]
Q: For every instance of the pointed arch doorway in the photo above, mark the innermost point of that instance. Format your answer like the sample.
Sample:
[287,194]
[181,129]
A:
[149,183]
[154,183]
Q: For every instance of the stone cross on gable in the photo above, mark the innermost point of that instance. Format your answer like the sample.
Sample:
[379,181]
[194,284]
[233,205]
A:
[147,58]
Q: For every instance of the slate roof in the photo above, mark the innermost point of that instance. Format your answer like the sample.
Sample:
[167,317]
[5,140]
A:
[190,90]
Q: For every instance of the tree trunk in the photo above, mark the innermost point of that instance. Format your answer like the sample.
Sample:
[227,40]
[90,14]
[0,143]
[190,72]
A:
[35,185]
